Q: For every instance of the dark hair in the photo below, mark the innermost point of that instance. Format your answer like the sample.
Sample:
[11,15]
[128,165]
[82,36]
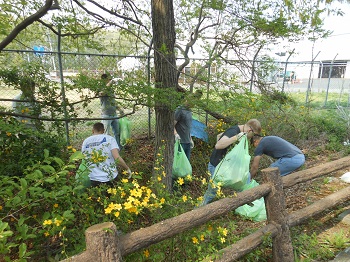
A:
[254,138]
[105,76]
[98,127]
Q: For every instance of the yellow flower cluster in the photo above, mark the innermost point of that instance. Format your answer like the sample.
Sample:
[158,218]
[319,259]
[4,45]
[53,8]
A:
[134,200]
[97,157]
[71,148]
[55,221]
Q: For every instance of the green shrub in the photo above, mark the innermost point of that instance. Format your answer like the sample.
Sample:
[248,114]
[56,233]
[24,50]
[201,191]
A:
[21,146]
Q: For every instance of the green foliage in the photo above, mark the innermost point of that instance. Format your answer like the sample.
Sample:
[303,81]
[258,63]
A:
[338,240]
[21,146]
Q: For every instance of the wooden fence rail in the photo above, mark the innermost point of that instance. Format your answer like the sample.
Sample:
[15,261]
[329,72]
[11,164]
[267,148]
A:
[103,243]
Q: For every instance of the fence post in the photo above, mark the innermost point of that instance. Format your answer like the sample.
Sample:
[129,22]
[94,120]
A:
[102,242]
[282,248]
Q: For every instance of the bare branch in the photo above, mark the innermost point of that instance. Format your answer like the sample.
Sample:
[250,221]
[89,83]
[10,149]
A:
[25,23]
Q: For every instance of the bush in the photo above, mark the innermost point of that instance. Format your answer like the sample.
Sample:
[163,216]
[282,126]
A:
[21,146]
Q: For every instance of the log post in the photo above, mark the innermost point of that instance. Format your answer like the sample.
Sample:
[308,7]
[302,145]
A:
[102,242]
[275,203]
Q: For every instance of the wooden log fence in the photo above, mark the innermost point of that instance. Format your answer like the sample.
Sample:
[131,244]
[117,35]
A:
[103,244]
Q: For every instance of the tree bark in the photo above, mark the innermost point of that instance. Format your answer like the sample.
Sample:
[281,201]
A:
[282,249]
[163,24]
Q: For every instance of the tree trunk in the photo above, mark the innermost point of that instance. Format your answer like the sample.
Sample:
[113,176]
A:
[163,24]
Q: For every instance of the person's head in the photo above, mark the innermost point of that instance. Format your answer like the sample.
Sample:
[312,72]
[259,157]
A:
[255,140]
[106,77]
[254,127]
[98,128]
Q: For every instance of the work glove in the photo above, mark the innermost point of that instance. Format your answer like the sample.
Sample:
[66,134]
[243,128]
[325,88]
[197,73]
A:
[192,143]
[129,173]
[177,137]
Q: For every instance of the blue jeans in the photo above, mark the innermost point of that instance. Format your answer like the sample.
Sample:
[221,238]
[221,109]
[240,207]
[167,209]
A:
[287,165]
[211,191]
[114,123]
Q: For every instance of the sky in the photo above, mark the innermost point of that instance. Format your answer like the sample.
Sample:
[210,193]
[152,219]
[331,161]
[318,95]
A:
[336,46]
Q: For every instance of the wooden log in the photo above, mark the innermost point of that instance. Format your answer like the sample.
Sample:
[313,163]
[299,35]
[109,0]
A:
[319,206]
[145,237]
[102,245]
[314,172]
[282,248]
[245,245]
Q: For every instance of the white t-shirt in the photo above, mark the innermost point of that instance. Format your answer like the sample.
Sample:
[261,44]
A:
[97,149]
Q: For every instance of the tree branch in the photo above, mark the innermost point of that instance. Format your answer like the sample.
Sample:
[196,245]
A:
[25,23]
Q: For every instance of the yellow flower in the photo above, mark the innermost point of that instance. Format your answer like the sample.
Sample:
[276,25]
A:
[184,198]
[195,240]
[116,214]
[46,234]
[224,232]
[69,147]
[108,210]
[146,253]
[128,205]
[125,180]
[47,222]
[162,200]
[222,240]
[189,178]
[55,205]
[181,181]
[159,178]
[58,222]
[202,237]
[8,134]
[112,191]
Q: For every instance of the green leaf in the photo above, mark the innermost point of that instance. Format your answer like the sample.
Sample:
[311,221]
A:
[22,250]
[46,153]
[47,168]
[50,180]
[78,155]
[24,183]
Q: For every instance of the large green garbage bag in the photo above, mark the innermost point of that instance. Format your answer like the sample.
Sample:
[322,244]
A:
[181,165]
[233,169]
[255,210]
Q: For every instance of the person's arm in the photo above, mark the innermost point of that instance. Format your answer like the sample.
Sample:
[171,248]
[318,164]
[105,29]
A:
[218,136]
[119,159]
[225,141]
[255,166]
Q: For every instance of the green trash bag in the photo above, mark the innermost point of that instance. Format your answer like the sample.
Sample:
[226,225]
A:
[82,175]
[233,170]
[255,210]
[181,165]
[125,130]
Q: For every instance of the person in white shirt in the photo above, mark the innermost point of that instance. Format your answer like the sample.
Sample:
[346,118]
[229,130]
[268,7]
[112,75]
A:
[102,157]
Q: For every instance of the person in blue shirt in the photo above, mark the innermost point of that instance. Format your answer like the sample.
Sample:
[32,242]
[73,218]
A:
[287,156]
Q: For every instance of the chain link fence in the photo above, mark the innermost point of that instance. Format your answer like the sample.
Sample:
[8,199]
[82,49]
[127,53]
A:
[330,78]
